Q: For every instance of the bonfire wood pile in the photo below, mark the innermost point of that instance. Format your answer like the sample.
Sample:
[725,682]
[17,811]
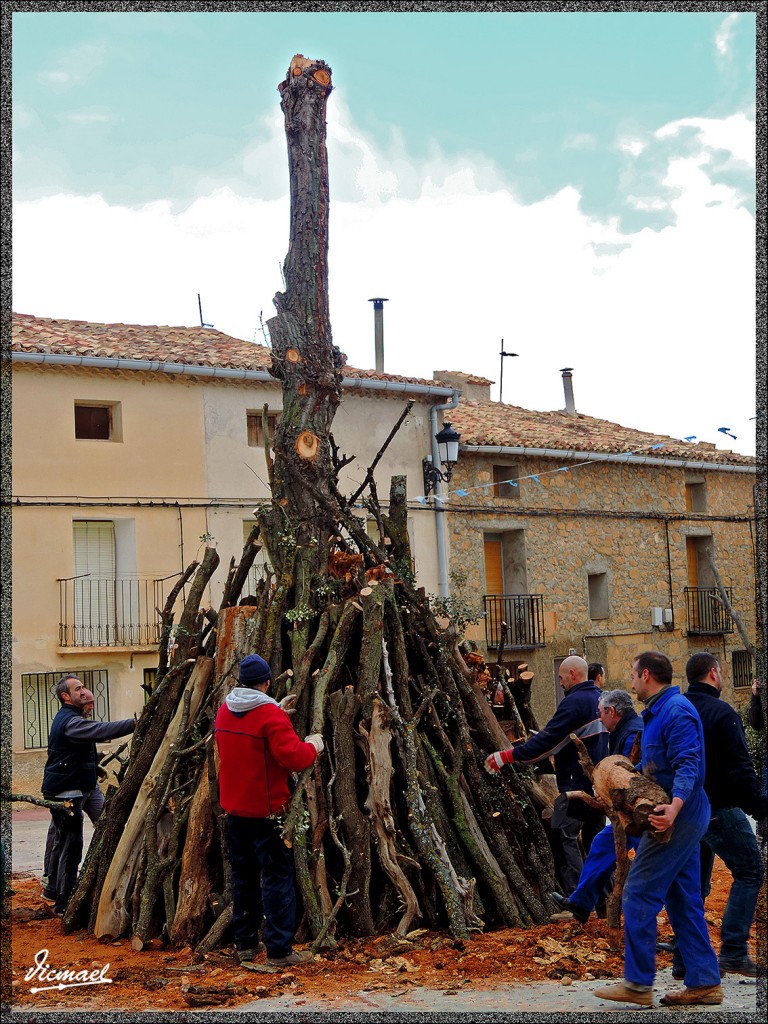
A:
[397,822]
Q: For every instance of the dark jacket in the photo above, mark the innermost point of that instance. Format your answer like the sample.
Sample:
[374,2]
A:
[577,708]
[72,758]
[69,765]
[730,780]
[622,739]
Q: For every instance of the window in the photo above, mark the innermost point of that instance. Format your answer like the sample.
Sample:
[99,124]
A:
[98,421]
[695,493]
[148,686]
[598,595]
[259,568]
[256,428]
[505,483]
[39,703]
[741,665]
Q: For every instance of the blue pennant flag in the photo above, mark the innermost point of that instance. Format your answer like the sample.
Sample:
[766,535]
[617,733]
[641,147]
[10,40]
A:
[655,446]
[462,493]
[691,438]
[727,430]
[422,499]
[534,476]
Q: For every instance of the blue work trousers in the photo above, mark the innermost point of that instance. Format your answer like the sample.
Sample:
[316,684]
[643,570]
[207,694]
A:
[262,885]
[668,874]
[596,874]
[730,837]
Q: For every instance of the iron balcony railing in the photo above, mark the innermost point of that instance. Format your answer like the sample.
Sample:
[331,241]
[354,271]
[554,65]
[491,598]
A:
[706,612]
[110,612]
[523,616]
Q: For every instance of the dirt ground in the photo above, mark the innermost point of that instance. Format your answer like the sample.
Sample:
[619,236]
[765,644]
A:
[167,980]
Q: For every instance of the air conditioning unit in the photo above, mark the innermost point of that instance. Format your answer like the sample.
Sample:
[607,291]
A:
[667,616]
[657,616]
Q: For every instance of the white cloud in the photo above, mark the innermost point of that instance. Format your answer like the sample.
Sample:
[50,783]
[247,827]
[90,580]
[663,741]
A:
[74,66]
[633,147]
[724,34]
[650,320]
[87,117]
[736,134]
[579,140]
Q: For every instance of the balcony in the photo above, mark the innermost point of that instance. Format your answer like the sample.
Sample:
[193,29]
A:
[110,612]
[523,615]
[706,613]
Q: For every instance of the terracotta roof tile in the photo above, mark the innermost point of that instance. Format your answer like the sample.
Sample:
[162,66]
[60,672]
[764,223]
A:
[195,346]
[492,423]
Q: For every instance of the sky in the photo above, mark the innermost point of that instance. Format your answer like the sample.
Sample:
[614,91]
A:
[578,188]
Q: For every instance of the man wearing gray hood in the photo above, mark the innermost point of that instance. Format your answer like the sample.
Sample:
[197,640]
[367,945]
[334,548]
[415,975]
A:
[258,752]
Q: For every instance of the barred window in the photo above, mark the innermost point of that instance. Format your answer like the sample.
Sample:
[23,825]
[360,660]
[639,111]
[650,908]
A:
[40,704]
[741,665]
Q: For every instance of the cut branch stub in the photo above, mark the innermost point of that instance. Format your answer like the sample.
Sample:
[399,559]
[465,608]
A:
[307,445]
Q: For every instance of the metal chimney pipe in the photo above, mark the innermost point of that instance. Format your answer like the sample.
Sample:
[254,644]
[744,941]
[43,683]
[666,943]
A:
[378,327]
[570,405]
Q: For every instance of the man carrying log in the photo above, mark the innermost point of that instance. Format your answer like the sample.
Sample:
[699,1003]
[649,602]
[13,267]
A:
[618,715]
[667,873]
[258,751]
[733,788]
[70,774]
[577,713]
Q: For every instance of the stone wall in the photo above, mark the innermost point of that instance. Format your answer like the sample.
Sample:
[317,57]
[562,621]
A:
[626,521]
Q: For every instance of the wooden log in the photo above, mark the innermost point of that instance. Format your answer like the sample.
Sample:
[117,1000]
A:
[355,827]
[196,876]
[379,774]
[112,915]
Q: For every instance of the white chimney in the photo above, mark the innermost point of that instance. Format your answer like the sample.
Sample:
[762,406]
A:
[570,405]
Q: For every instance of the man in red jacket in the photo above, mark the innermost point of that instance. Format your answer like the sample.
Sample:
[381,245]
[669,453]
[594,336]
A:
[258,751]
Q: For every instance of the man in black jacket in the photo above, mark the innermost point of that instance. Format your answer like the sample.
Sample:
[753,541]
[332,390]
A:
[70,774]
[732,786]
[576,713]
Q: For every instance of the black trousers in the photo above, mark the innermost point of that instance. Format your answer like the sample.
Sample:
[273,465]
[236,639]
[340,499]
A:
[66,853]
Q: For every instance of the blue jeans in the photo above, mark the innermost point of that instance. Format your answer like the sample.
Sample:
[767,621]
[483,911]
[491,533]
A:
[598,868]
[730,837]
[668,874]
[262,885]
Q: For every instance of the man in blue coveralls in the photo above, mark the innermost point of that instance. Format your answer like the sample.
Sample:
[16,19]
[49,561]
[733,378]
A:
[667,873]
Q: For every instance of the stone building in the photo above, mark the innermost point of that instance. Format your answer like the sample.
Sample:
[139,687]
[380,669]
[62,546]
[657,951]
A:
[585,536]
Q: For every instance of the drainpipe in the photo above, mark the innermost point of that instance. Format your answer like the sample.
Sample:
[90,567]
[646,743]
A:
[442,556]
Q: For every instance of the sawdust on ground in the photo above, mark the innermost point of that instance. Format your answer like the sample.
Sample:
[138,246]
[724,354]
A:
[162,979]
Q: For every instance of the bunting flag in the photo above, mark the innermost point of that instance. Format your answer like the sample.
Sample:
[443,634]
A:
[727,430]
[463,492]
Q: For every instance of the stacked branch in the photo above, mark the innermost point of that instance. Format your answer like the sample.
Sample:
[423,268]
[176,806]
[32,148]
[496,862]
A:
[398,822]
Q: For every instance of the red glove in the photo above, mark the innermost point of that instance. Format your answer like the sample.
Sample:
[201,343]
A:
[494,762]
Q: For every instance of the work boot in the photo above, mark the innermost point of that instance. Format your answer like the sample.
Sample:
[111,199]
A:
[708,995]
[744,965]
[245,956]
[581,915]
[292,959]
[623,993]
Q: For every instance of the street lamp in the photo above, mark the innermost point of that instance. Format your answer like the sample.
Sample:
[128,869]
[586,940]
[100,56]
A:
[448,455]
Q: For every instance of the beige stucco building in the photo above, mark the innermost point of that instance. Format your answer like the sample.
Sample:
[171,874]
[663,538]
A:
[133,447]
